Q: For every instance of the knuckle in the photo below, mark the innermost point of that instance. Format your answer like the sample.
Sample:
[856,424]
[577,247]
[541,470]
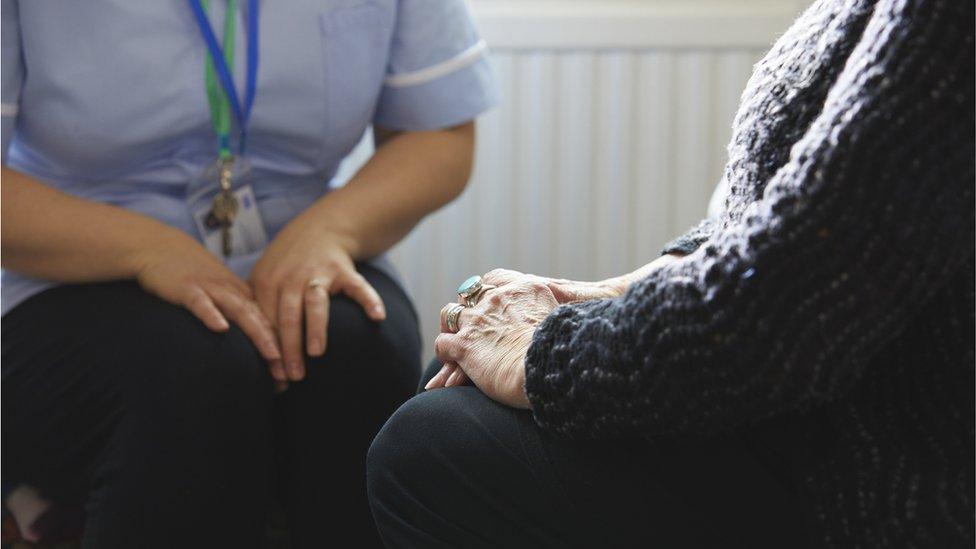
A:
[196,299]
[443,344]
[360,281]
[537,286]
[496,275]
[263,284]
[314,295]
[334,265]
[294,280]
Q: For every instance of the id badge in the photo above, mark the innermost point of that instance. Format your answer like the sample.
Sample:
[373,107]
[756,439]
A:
[247,232]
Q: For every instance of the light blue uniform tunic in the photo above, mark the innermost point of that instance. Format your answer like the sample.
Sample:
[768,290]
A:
[105,99]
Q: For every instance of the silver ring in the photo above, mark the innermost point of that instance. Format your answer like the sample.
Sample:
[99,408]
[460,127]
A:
[471,290]
[474,298]
[451,318]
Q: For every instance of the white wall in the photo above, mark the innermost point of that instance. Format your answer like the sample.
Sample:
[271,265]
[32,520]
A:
[609,140]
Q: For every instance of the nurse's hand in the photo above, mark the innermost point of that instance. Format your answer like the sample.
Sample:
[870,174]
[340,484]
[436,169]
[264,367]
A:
[177,269]
[293,281]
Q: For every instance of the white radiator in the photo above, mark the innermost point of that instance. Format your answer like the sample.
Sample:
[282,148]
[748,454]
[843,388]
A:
[609,140]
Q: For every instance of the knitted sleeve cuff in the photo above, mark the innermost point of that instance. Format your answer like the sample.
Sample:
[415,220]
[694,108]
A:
[554,353]
[692,240]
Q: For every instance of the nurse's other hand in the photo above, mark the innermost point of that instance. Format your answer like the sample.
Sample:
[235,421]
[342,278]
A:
[494,337]
[565,291]
[177,269]
[293,281]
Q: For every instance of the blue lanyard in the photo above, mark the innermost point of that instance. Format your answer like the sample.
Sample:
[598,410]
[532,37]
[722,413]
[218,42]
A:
[224,72]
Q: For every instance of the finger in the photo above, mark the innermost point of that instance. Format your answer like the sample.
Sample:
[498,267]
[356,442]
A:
[280,387]
[463,319]
[448,348]
[266,294]
[361,291]
[245,314]
[290,331]
[199,303]
[242,287]
[444,310]
[438,380]
[316,319]
[456,379]
[277,369]
[500,277]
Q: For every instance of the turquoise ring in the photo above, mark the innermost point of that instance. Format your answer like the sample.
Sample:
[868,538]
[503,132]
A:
[471,290]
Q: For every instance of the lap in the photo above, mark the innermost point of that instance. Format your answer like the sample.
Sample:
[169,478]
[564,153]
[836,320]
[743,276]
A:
[95,372]
[458,468]
[117,331]
[76,358]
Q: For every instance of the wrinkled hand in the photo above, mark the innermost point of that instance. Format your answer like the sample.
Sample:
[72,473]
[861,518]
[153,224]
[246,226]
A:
[293,282]
[493,338]
[181,271]
[565,291]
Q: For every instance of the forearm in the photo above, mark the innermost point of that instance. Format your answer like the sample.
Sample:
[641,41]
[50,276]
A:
[410,175]
[56,236]
[620,284]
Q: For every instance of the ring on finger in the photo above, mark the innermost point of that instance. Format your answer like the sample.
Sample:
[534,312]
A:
[452,316]
[471,290]
[317,283]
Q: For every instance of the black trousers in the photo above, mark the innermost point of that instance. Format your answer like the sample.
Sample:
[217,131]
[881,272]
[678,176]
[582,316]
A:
[171,435]
[452,468]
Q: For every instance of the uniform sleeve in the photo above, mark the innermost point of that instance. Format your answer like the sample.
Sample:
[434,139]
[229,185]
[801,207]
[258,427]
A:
[439,73]
[13,71]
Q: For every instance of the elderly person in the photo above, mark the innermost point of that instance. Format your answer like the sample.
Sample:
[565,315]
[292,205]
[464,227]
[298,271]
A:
[797,372]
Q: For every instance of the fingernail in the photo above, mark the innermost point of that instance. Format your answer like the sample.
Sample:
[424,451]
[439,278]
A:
[222,324]
[278,371]
[378,312]
[271,351]
[429,384]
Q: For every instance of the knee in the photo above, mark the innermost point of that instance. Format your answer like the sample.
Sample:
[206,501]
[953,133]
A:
[189,371]
[398,450]
[422,433]
[360,350]
[351,332]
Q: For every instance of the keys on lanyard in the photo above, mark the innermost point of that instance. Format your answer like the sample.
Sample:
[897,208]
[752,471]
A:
[218,69]
[225,205]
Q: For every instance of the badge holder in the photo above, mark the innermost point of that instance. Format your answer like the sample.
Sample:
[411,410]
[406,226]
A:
[247,233]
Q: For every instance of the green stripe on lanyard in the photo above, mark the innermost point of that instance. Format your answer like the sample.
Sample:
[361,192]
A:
[216,97]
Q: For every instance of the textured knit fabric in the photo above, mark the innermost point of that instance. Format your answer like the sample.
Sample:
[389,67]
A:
[836,289]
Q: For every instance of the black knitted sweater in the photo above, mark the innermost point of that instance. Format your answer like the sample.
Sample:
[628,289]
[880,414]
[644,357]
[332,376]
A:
[836,291]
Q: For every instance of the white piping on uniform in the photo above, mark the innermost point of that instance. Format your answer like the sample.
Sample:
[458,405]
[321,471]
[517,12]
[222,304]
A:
[434,72]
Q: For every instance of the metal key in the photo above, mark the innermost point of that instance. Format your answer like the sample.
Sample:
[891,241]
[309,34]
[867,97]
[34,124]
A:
[225,206]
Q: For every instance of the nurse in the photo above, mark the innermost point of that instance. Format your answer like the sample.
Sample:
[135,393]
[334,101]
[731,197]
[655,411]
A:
[175,249]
